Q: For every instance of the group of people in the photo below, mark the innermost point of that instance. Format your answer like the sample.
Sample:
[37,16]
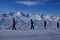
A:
[32,26]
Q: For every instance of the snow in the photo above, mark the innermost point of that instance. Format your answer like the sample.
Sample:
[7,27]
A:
[48,34]
[18,14]
[47,17]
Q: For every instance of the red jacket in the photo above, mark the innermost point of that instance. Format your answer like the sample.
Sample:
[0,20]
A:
[14,22]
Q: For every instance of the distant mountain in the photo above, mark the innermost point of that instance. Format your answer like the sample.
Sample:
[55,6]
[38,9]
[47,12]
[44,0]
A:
[23,20]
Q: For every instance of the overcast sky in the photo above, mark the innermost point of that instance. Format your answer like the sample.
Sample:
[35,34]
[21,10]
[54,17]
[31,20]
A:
[31,6]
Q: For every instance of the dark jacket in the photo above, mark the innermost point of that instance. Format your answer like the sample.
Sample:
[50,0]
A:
[45,23]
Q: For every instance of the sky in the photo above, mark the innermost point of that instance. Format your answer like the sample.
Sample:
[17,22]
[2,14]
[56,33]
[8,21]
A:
[50,7]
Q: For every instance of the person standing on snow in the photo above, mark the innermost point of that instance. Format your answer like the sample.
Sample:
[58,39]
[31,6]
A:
[58,25]
[14,23]
[32,26]
[45,23]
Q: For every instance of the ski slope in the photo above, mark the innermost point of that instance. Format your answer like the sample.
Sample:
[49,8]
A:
[48,34]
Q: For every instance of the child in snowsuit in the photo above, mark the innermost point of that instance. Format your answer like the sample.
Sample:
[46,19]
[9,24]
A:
[58,25]
[14,23]
[45,24]
[32,26]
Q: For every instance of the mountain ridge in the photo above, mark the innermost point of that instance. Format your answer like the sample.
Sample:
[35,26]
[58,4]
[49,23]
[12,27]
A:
[23,20]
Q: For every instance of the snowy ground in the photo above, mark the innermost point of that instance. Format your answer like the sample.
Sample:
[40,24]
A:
[30,34]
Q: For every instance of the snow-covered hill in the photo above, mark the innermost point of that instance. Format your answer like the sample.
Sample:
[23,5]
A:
[23,20]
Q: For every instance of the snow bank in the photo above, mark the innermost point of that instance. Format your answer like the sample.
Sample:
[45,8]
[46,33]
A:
[30,34]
